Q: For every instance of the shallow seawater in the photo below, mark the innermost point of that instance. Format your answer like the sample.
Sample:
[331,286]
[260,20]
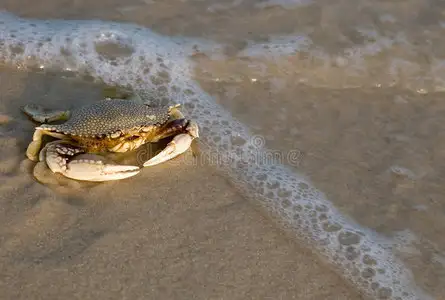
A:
[348,94]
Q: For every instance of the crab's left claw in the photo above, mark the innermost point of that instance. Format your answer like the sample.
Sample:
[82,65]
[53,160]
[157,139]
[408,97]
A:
[177,146]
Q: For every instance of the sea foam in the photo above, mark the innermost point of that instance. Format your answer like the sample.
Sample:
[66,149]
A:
[126,54]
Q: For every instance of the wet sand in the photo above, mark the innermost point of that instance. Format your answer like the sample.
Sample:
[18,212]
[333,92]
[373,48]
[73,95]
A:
[175,231]
[376,153]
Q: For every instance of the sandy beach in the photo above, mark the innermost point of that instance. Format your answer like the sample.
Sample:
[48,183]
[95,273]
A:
[176,231]
[181,230]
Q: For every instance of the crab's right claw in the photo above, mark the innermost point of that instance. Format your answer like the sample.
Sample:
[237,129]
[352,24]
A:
[92,168]
[84,167]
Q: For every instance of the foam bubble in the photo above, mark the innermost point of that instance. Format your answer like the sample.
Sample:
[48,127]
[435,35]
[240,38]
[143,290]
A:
[129,55]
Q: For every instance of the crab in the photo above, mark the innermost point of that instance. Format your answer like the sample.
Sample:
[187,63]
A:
[106,126]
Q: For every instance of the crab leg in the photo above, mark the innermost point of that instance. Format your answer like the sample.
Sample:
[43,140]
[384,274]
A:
[32,152]
[177,146]
[72,162]
[41,115]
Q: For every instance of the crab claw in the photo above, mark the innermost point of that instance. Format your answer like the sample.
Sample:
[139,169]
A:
[84,167]
[90,167]
[177,146]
